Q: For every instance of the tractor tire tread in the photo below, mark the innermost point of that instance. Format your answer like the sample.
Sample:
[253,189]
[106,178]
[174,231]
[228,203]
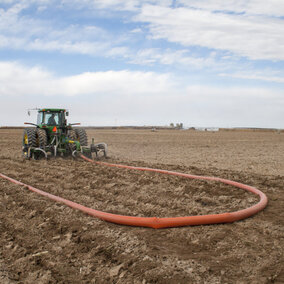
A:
[31,135]
[82,136]
[42,138]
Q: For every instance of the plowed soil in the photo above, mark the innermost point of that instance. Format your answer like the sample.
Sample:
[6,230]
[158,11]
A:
[46,242]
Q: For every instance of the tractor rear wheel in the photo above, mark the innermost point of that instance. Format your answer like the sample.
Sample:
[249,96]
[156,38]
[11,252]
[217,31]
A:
[29,140]
[82,136]
[41,138]
[29,137]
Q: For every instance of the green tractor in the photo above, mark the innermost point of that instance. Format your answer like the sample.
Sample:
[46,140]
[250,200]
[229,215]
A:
[53,135]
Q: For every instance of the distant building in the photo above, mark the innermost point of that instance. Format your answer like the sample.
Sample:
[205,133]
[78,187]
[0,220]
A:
[213,129]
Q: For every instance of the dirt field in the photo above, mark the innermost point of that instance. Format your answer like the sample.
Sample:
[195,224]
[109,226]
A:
[46,242]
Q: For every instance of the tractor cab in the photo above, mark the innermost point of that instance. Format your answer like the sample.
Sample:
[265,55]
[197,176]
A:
[52,117]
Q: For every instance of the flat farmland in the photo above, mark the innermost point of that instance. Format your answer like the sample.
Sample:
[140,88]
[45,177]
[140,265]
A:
[47,242]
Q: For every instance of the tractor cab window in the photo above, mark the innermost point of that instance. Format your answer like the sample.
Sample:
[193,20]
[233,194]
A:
[52,118]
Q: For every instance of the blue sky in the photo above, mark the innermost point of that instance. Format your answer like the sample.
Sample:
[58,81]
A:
[112,62]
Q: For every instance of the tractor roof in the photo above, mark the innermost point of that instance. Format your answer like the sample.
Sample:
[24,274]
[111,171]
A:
[52,109]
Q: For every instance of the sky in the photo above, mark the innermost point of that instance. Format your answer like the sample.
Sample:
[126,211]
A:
[205,63]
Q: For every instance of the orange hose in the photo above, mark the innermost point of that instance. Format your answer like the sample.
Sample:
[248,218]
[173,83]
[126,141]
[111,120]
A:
[154,222]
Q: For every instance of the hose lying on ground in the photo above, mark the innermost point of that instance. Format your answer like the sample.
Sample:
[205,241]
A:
[155,222]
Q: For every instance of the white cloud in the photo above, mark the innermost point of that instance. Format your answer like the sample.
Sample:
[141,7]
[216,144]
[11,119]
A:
[254,75]
[132,97]
[255,37]
[117,82]
[255,34]
[151,56]
[27,33]
[118,5]
[18,80]
[263,7]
